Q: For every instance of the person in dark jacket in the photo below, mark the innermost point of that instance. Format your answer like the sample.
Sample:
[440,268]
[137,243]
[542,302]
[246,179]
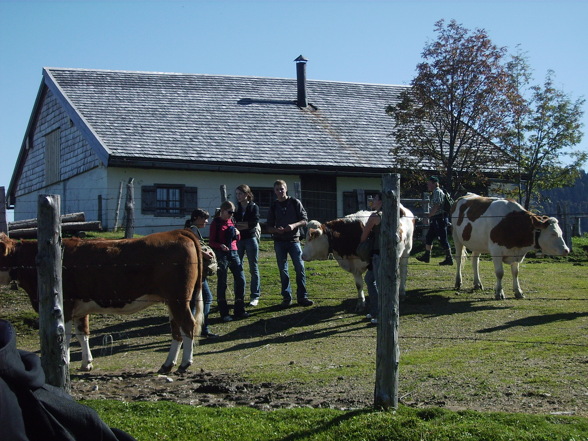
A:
[284,219]
[247,218]
[32,410]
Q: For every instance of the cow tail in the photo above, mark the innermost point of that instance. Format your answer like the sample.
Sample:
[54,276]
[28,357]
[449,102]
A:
[197,291]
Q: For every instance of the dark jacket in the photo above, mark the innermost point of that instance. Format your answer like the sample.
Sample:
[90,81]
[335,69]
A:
[32,410]
[285,213]
[250,215]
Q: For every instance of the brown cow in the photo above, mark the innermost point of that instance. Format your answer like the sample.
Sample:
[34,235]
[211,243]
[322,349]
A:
[504,229]
[121,277]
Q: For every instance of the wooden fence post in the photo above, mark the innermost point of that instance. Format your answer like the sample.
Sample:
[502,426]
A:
[387,349]
[117,212]
[130,211]
[223,193]
[297,190]
[3,223]
[50,292]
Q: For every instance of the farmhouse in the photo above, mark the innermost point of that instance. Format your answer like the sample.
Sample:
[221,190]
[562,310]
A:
[179,137]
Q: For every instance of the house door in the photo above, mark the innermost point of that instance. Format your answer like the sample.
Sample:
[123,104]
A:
[319,196]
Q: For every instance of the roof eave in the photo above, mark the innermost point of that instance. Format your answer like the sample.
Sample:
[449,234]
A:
[219,166]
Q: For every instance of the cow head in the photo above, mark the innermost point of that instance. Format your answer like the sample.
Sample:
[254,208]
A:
[550,238]
[317,243]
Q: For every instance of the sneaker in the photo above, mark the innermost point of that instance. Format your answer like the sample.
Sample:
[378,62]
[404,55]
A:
[374,321]
[210,335]
[368,316]
[242,315]
[447,261]
[286,303]
[424,258]
[254,302]
[227,318]
[305,302]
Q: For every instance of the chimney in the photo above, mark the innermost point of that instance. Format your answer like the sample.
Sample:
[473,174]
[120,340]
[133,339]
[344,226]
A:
[301,81]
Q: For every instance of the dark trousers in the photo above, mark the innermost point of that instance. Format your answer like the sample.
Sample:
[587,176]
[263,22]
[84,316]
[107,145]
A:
[438,230]
[230,261]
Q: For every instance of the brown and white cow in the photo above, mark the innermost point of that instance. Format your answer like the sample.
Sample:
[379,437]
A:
[341,238]
[120,277]
[506,231]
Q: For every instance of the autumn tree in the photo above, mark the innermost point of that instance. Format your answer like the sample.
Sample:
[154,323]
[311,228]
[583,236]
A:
[542,135]
[457,105]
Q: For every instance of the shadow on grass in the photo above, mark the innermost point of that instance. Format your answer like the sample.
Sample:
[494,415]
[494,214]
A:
[535,320]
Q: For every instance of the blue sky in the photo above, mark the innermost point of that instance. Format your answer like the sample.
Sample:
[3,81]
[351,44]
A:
[365,41]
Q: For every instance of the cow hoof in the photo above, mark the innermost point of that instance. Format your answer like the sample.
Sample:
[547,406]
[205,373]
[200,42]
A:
[500,296]
[87,368]
[183,368]
[165,369]
[519,295]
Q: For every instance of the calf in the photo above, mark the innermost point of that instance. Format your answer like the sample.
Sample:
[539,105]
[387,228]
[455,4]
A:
[121,277]
[341,238]
[504,229]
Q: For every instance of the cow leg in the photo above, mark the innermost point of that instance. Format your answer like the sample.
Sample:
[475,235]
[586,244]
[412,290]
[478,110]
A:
[499,271]
[183,327]
[476,268]
[360,307]
[518,292]
[82,331]
[403,268]
[459,257]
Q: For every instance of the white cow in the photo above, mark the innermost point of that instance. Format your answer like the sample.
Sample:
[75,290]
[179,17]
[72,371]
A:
[341,238]
[506,231]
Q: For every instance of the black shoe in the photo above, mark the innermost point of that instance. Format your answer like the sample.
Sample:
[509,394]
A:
[241,315]
[285,303]
[447,261]
[305,302]
[424,258]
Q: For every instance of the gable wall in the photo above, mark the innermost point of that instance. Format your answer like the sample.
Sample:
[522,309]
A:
[76,157]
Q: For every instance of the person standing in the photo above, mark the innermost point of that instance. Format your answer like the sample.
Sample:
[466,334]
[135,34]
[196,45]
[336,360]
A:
[372,227]
[247,217]
[223,240]
[198,220]
[285,218]
[437,224]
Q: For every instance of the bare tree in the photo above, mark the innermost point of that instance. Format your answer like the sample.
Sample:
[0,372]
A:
[457,105]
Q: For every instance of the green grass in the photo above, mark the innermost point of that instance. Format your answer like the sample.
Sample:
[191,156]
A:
[170,421]
[459,350]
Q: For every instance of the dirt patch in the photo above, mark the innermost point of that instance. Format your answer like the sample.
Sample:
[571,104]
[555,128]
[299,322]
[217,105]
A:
[211,390]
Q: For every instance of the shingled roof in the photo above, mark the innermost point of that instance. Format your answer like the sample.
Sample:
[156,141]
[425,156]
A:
[191,121]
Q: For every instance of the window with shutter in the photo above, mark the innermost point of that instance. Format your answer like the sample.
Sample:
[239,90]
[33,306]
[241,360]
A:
[168,200]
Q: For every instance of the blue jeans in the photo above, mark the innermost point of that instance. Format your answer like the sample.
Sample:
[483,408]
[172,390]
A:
[282,249]
[207,300]
[230,260]
[371,280]
[251,248]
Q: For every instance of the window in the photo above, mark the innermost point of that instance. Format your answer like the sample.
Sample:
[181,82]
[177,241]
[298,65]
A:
[52,156]
[168,200]
[263,197]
